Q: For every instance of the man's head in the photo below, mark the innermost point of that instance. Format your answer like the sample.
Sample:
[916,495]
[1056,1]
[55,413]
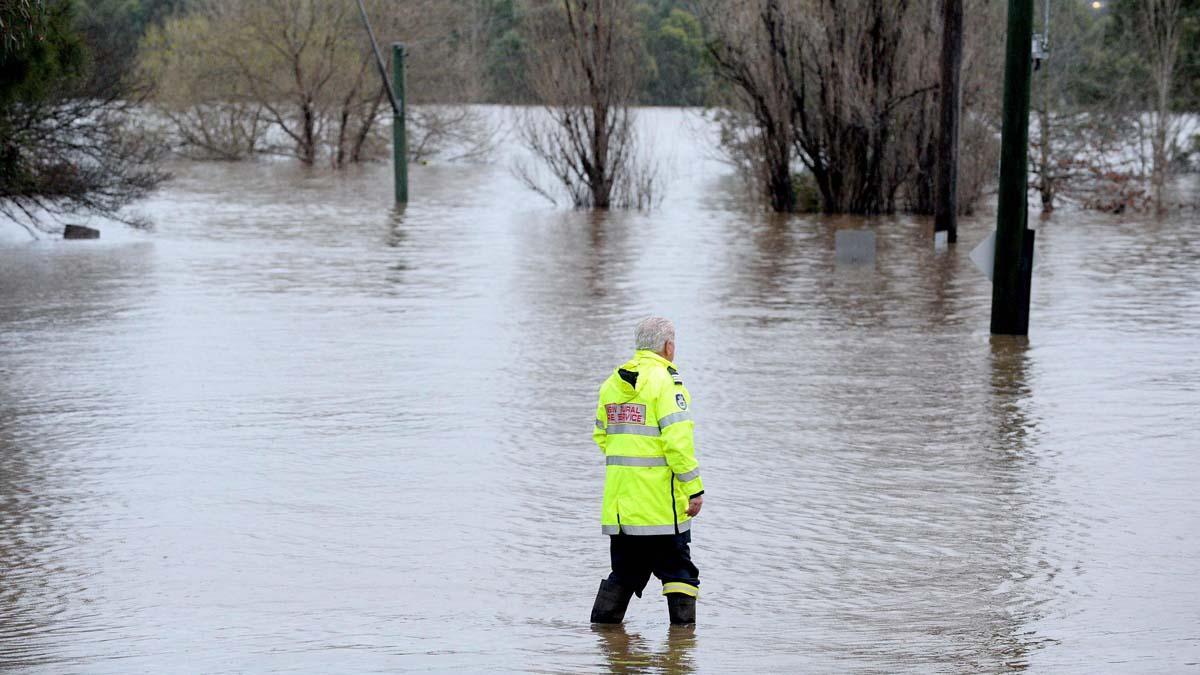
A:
[657,335]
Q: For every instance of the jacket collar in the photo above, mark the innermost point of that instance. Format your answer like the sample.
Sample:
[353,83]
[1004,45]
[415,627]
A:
[653,356]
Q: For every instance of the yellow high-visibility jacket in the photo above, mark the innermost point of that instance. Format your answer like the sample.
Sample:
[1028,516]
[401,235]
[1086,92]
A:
[644,426]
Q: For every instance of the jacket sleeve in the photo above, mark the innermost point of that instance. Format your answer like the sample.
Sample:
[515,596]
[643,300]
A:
[673,405]
[599,435]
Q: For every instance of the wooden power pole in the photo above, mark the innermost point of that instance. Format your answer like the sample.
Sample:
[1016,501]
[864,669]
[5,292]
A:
[1013,265]
[945,217]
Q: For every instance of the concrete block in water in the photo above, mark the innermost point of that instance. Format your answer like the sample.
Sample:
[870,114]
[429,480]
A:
[854,247]
[80,232]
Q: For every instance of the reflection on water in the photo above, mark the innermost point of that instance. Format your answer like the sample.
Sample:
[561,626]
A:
[295,429]
[1011,391]
[627,652]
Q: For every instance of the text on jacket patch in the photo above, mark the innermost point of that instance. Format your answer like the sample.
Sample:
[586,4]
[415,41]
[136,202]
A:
[626,413]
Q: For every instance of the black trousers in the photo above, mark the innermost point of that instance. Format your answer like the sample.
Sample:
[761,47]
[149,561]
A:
[666,556]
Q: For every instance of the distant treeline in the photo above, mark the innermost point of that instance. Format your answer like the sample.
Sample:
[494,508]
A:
[673,54]
[671,51]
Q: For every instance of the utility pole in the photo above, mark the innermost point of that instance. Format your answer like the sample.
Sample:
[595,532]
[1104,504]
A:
[399,131]
[1013,264]
[945,217]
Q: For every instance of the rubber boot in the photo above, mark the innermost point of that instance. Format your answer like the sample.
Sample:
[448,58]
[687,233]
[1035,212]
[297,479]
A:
[611,602]
[682,608]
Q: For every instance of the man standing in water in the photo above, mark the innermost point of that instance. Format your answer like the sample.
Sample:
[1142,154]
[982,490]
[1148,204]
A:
[652,487]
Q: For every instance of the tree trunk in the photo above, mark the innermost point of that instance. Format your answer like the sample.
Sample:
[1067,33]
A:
[1158,178]
[1046,179]
[600,182]
[1160,21]
[780,189]
[308,140]
[364,129]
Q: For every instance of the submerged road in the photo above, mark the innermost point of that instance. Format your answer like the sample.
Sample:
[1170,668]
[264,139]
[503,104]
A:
[291,431]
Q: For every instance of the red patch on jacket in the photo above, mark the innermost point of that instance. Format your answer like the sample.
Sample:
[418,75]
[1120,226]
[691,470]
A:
[626,413]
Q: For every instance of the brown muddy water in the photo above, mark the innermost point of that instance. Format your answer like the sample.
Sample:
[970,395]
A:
[292,430]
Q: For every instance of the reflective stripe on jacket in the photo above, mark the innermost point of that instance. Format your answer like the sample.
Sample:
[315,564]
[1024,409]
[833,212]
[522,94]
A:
[644,426]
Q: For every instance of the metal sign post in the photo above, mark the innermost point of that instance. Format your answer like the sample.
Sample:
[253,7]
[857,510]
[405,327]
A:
[395,92]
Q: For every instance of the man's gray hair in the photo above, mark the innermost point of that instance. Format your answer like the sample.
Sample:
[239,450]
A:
[653,333]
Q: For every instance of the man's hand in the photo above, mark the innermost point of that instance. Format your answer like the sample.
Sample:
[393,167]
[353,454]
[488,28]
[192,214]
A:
[694,505]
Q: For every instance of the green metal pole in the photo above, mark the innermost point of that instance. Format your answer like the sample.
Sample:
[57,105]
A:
[399,132]
[1014,255]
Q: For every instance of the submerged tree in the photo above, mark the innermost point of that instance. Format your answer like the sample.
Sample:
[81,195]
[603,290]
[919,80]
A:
[827,83]
[1081,130]
[846,89]
[295,77]
[1159,29]
[1110,103]
[752,53]
[583,70]
[233,69]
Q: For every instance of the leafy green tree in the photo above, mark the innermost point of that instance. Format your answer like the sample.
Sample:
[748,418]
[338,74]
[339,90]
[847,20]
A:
[1123,50]
[675,45]
[506,53]
[1187,92]
[68,143]
[670,52]
[32,67]
[113,29]
[20,20]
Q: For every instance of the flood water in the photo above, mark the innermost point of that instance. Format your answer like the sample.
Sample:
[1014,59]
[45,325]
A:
[293,430]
